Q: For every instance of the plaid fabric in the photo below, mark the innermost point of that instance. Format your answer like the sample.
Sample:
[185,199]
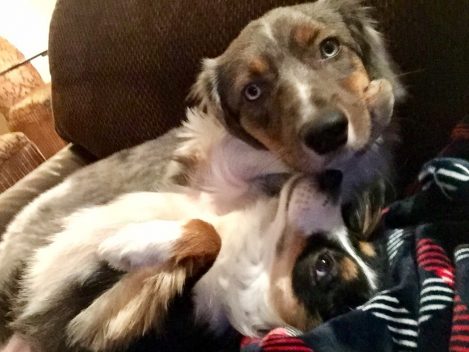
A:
[426,305]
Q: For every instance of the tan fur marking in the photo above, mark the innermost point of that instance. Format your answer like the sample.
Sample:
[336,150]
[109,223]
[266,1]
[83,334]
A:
[353,100]
[269,138]
[358,80]
[131,307]
[367,249]
[356,83]
[199,240]
[304,34]
[348,269]
[139,301]
[259,66]
[287,305]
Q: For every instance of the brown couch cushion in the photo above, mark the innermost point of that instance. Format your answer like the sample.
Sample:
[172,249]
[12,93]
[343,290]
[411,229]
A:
[121,69]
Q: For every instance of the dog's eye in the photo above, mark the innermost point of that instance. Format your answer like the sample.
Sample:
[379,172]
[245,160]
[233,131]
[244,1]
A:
[323,267]
[329,48]
[252,92]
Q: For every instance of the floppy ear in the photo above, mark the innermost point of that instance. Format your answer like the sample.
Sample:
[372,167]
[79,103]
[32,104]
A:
[204,92]
[206,95]
[371,45]
[363,214]
[160,265]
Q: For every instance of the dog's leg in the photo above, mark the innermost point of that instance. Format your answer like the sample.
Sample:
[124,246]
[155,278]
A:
[158,242]
[160,257]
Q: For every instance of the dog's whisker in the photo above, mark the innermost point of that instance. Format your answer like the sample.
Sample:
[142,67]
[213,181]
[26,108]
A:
[404,74]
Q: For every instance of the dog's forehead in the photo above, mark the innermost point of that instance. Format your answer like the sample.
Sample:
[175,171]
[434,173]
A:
[297,23]
[264,42]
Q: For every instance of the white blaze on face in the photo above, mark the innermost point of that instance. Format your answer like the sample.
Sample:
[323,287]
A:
[307,110]
[296,77]
[343,237]
[268,30]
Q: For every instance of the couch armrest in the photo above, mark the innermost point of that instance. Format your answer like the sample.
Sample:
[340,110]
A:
[47,175]
[18,157]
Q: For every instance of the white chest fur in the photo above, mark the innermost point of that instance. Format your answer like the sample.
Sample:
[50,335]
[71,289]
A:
[235,291]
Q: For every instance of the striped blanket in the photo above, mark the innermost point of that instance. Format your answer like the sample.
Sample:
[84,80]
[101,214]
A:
[426,305]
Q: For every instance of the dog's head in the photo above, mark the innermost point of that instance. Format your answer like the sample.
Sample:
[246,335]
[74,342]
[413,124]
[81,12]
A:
[288,261]
[320,270]
[296,82]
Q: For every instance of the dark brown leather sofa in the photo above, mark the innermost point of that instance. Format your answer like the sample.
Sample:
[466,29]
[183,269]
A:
[121,70]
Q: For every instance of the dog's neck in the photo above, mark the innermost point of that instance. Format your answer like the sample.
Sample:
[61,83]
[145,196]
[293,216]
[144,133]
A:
[218,163]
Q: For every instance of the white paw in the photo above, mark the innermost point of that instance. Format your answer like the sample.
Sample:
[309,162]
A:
[140,244]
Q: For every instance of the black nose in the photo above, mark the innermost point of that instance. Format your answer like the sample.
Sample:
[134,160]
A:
[327,132]
[330,181]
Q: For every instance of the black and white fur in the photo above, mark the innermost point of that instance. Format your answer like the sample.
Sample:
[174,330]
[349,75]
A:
[151,166]
[249,287]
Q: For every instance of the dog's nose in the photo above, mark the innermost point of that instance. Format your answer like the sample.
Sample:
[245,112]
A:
[330,181]
[327,132]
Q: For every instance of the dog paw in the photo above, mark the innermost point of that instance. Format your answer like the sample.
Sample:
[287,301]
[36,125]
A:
[140,245]
[379,98]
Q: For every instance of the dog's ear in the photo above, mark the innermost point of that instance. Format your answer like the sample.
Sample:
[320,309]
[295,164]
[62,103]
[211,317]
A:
[363,214]
[371,45]
[204,92]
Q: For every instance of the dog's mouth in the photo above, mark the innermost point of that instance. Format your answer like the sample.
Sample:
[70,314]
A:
[311,203]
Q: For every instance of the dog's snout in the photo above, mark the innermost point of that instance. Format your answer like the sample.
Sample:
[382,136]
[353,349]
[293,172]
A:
[327,132]
[330,181]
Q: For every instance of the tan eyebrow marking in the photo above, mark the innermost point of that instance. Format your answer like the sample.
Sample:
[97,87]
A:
[367,249]
[259,66]
[348,269]
[358,80]
[304,34]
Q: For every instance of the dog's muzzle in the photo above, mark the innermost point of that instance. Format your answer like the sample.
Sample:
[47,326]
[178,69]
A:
[327,132]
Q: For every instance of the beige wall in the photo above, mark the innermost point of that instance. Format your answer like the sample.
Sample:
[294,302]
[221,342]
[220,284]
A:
[3,125]
[25,24]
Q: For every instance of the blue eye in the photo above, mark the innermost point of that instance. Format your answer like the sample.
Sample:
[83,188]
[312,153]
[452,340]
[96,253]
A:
[329,48]
[252,92]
